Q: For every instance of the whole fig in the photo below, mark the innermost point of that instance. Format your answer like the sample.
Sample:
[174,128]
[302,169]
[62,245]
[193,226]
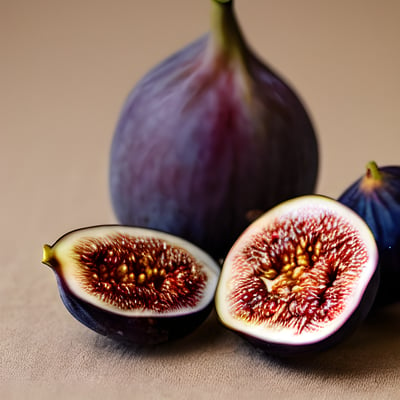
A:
[208,138]
[376,198]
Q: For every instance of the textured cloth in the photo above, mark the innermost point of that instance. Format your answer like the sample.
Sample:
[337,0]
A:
[66,68]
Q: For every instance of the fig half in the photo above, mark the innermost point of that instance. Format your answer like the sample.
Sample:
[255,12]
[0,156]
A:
[299,278]
[137,285]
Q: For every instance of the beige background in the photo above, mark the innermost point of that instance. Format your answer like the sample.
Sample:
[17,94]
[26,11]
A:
[66,67]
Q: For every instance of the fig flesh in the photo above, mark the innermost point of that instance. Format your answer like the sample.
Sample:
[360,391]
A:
[300,278]
[376,198]
[208,137]
[132,284]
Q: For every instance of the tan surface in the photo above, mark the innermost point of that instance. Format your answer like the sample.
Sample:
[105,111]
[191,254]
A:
[66,67]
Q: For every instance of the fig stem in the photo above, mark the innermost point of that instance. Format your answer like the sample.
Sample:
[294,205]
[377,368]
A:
[373,171]
[372,178]
[227,34]
[48,256]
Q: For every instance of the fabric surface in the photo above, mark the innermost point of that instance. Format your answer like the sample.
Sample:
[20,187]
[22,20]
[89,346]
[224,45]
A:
[65,70]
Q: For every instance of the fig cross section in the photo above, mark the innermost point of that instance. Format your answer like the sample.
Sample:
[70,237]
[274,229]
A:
[299,273]
[132,272]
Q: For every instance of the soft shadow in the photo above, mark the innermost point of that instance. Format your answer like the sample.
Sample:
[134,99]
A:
[207,335]
[373,347]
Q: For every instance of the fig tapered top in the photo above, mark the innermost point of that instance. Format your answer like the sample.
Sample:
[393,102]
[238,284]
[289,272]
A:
[226,35]
[224,1]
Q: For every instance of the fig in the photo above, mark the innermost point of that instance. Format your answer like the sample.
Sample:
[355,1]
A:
[208,138]
[133,284]
[300,278]
[376,198]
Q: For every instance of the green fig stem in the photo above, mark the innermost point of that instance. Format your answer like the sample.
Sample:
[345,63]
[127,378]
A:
[226,32]
[372,179]
[48,256]
[373,171]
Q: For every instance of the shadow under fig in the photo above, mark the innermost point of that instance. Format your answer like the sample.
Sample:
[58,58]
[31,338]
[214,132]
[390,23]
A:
[205,336]
[372,348]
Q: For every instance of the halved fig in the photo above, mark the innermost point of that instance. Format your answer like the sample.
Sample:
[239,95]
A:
[138,285]
[300,277]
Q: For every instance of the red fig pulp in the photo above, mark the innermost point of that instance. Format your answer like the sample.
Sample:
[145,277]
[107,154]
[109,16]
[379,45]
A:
[208,137]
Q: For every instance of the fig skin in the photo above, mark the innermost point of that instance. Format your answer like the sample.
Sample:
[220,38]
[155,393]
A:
[144,331]
[375,196]
[241,299]
[208,137]
[133,325]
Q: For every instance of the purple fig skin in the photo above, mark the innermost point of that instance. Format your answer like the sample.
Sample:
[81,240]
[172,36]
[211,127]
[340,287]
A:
[208,137]
[144,331]
[376,198]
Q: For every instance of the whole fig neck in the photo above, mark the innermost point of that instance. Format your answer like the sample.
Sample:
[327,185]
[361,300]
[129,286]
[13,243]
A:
[226,40]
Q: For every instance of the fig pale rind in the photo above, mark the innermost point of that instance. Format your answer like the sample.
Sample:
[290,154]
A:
[132,284]
[376,198]
[300,278]
[209,137]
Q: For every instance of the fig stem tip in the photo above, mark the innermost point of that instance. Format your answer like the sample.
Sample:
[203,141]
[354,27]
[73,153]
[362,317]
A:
[48,256]
[373,171]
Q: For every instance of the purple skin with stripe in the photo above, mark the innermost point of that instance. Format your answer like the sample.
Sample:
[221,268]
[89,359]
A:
[208,137]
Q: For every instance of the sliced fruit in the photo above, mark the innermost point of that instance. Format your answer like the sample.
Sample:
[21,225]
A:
[300,278]
[133,284]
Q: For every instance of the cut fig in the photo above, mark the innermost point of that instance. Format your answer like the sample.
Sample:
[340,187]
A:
[300,277]
[138,285]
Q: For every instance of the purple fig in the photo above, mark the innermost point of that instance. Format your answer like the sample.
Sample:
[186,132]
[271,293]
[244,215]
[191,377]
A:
[376,198]
[207,138]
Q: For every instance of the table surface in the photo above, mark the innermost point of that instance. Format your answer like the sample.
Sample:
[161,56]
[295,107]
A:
[66,68]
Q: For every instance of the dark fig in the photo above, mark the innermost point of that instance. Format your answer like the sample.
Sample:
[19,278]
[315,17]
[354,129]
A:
[300,278]
[376,198]
[131,284]
[208,138]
